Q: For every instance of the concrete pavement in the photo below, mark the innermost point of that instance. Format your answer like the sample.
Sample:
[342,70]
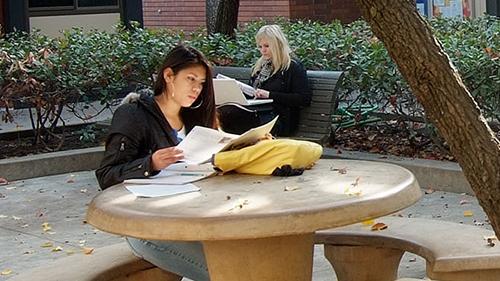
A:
[42,219]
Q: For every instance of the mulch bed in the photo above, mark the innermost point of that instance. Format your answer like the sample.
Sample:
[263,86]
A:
[391,140]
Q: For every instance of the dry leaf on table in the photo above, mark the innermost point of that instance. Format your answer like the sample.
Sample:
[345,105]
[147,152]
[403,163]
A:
[46,226]
[3,181]
[6,272]
[47,245]
[379,226]
[87,250]
[468,214]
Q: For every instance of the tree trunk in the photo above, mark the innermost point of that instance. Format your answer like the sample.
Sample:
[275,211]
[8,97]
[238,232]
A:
[439,88]
[227,17]
[211,14]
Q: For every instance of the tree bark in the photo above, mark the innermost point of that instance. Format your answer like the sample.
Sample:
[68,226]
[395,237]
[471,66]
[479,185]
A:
[211,7]
[227,17]
[439,88]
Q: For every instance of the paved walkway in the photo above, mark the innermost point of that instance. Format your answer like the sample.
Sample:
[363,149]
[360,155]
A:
[43,219]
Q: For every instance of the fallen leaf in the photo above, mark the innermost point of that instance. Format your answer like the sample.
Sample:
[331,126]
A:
[3,216]
[291,188]
[368,222]
[70,252]
[463,202]
[468,214]
[6,272]
[25,225]
[87,250]
[47,245]
[29,252]
[3,181]
[57,249]
[46,226]
[356,182]
[429,191]
[16,218]
[71,179]
[83,190]
[412,260]
[11,187]
[379,226]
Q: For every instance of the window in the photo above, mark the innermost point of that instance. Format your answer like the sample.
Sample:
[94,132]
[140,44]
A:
[64,7]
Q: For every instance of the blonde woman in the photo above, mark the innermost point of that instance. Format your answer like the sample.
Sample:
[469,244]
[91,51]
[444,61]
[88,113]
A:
[279,76]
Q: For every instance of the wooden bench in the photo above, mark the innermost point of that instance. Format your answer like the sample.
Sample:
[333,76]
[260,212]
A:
[454,252]
[315,122]
[111,263]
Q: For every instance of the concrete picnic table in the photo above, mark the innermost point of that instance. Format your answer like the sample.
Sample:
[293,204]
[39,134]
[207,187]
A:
[260,227]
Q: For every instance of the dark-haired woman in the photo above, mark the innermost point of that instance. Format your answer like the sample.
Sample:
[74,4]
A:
[142,139]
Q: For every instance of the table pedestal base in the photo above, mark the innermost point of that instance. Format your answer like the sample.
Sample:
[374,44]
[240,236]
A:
[285,258]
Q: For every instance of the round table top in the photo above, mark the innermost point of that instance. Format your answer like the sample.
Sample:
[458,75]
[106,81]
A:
[235,206]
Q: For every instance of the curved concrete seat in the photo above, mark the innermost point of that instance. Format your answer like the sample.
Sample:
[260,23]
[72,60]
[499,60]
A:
[111,263]
[454,252]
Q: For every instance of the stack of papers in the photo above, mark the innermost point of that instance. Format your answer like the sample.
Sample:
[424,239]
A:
[175,179]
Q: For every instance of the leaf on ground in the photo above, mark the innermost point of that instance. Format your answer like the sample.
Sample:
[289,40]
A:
[70,252]
[429,190]
[356,182]
[46,226]
[291,188]
[3,216]
[379,226]
[71,179]
[47,245]
[57,249]
[25,225]
[6,272]
[87,250]
[16,218]
[83,190]
[412,260]
[29,252]
[368,222]
[3,181]
[463,202]
[11,187]
[468,213]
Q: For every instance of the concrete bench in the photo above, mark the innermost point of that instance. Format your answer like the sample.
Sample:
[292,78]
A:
[454,252]
[111,263]
[315,123]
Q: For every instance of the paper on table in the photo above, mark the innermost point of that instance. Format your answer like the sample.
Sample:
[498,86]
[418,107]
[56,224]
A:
[201,143]
[154,190]
[178,173]
[246,89]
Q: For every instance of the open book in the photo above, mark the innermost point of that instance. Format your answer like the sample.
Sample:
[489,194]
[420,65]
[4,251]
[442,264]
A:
[201,143]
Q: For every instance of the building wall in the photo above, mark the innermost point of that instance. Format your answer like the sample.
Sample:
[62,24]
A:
[53,25]
[189,15]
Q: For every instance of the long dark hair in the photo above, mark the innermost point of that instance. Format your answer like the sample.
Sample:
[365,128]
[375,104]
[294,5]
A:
[182,57]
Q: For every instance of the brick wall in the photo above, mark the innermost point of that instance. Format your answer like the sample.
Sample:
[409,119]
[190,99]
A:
[187,15]
[190,14]
[324,10]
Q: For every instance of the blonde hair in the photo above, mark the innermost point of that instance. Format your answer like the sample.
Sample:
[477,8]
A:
[280,50]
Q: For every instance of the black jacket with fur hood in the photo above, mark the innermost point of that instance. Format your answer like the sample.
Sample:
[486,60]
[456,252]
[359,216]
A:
[137,130]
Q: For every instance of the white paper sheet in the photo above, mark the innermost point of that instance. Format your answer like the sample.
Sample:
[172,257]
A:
[201,143]
[156,190]
[246,89]
[178,173]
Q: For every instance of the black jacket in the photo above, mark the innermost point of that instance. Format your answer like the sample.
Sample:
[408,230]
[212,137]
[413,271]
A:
[290,91]
[137,130]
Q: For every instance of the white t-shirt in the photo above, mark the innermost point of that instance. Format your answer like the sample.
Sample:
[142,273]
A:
[181,134]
